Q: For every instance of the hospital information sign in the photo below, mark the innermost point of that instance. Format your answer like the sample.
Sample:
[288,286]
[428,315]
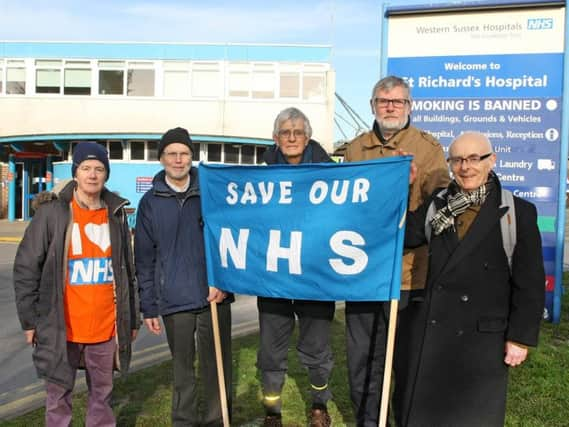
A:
[498,71]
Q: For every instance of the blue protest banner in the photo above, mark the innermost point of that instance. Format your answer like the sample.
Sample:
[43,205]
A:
[315,231]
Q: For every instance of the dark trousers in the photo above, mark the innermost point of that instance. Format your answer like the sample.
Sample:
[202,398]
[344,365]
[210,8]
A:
[187,331]
[366,339]
[276,323]
[98,359]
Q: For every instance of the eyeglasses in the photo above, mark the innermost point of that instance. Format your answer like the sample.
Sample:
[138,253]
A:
[174,155]
[286,133]
[473,160]
[384,102]
[99,170]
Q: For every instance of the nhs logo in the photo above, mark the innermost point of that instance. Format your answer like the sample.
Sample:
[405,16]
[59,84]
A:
[540,24]
[90,271]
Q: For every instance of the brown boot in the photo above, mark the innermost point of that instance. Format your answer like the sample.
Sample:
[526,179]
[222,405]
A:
[273,421]
[320,418]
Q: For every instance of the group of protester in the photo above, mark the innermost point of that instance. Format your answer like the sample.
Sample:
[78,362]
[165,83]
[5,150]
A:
[468,310]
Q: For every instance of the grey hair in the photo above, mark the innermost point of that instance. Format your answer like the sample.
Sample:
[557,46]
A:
[388,83]
[292,114]
[472,134]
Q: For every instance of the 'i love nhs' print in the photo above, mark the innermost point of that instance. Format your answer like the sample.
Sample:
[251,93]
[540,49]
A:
[90,270]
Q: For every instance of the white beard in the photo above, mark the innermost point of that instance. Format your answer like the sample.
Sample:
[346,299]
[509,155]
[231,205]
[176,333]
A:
[391,126]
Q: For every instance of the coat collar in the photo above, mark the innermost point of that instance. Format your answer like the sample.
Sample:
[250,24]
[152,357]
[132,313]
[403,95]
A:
[376,138]
[314,153]
[112,200]
[381,138]
[160,188]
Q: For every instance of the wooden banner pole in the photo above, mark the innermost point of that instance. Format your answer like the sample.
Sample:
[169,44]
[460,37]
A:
[388,363]
[219,363]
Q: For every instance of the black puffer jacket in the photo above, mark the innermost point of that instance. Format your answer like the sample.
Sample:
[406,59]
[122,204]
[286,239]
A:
[39,281]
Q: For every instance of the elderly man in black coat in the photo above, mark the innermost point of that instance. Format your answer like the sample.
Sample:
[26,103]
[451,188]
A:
[477,315]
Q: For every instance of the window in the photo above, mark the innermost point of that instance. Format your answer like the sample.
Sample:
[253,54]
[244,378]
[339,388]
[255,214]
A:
[197,149]
[136,79]
[313,81]
[140,79]
[248,154]
[214,152]
[231,153]
[263,81]
[115,150]
[239,80]
[77,78]
[1,76]
[206,79]
[177,79]
[260,151]
[143,150]
[177,84]
[77,82]
[48,76]
[111,78]
[313,86]
[140,83]
[152,150]
[16,78]
[47,81]
[137,150]
[290,85]
[111,82]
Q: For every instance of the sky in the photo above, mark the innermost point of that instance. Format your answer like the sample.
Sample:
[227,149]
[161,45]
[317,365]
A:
[351,27]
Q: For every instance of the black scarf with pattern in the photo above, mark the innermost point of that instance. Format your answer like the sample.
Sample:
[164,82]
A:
[458,202]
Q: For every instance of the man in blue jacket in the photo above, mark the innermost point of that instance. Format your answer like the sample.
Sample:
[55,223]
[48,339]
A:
[170,266]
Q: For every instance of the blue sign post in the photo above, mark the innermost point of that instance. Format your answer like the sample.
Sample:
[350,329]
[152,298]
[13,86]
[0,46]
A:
[499,71]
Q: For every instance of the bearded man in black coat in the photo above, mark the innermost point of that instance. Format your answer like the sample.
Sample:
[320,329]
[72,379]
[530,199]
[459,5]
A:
[478,315]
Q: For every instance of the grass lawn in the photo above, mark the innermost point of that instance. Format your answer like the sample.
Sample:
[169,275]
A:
[538,393]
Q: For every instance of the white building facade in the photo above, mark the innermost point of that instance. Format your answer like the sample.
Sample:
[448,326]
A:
[125,95]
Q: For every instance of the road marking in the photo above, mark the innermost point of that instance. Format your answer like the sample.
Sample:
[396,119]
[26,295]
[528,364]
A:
[141,360]
[10,239]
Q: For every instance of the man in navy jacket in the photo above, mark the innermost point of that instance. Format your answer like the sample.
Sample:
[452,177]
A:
[170,266]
